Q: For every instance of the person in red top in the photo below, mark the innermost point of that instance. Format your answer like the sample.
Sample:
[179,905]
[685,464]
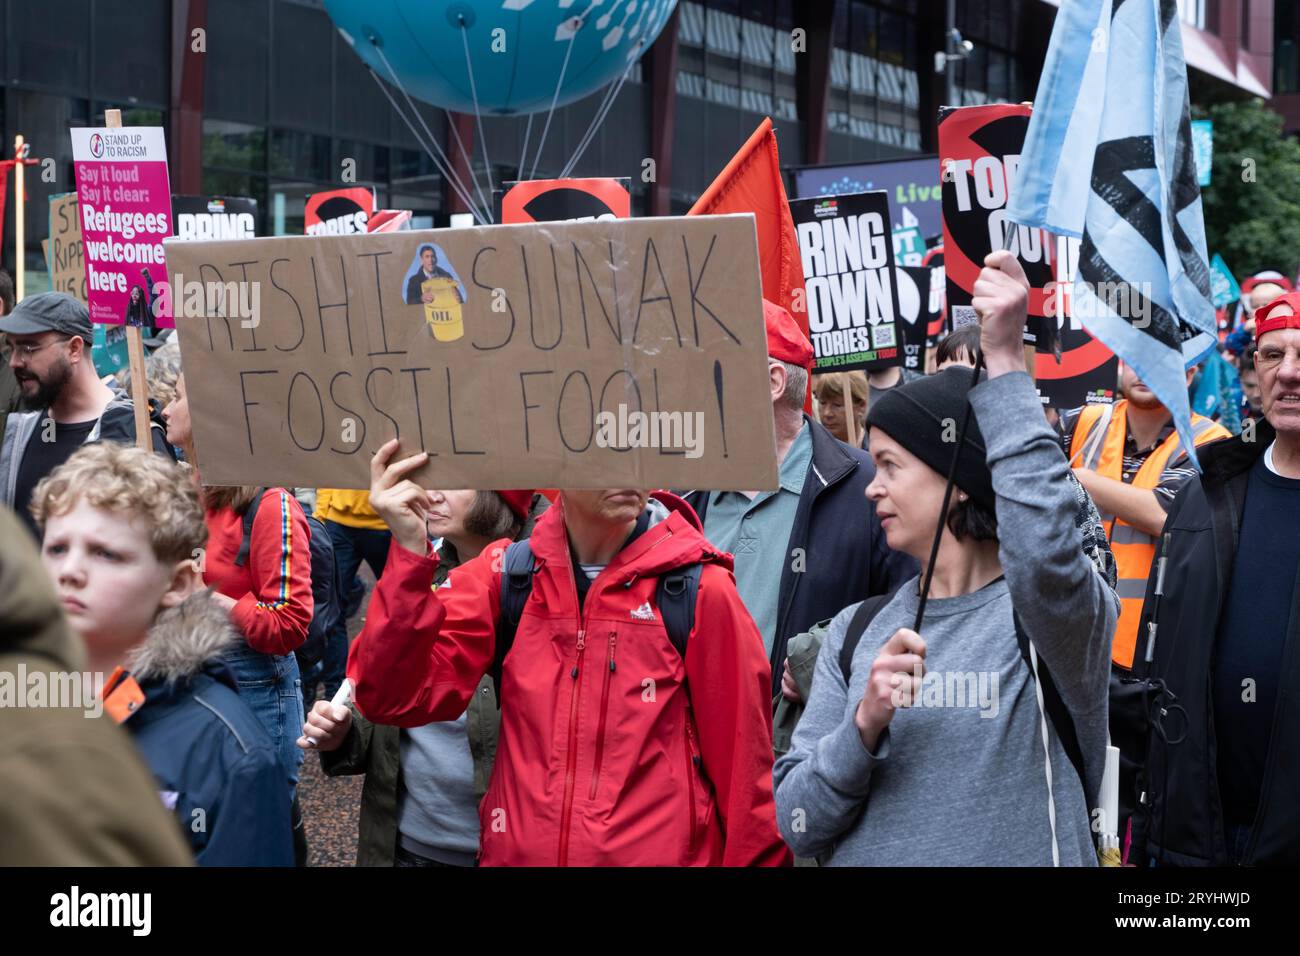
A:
[613,750]
[266,592]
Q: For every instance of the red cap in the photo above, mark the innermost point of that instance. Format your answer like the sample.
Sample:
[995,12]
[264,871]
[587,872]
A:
[1263,322]
[518,501]
[785,340]
[1276,278]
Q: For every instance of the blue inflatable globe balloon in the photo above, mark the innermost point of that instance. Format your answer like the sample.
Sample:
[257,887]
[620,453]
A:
[514,51]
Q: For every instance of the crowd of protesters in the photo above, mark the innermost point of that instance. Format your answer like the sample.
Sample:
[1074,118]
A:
[690,677]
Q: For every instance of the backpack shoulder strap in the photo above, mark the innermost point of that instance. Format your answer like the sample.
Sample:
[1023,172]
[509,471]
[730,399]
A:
[1057,712]
[861,620]
[675,596]
[517,568]
[246,542]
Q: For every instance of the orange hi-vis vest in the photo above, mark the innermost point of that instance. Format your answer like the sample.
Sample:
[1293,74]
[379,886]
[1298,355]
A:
[1134,550]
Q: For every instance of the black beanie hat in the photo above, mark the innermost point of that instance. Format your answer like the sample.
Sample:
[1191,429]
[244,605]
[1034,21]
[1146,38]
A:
[919,414]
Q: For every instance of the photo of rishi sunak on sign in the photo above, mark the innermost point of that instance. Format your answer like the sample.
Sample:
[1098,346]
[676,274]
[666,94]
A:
[847,250]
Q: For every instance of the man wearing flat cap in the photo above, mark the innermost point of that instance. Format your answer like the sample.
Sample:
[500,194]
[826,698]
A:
[1221,626]
[66,404]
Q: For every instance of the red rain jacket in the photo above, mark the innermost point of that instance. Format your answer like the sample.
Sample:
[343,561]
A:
[613,750]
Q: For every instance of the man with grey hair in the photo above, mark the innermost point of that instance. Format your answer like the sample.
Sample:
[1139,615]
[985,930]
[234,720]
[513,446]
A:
[813,546]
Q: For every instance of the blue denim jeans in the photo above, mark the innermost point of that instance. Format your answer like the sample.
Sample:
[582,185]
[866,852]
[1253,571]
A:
[351,547]
[270,685]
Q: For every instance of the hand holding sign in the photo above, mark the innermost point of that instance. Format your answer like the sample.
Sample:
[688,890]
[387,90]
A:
[399,500]
[1001,297]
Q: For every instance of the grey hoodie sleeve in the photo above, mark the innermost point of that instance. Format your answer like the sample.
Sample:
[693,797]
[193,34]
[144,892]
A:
[822,783]
[1065,605]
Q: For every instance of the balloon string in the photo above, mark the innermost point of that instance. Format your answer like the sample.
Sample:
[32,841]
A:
[469,165]
[478,116]
[446,169]
[452,179]
[611,94]
[523,152]
[564,67]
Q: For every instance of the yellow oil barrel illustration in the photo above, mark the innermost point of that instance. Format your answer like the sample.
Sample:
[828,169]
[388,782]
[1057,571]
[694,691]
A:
[444,313]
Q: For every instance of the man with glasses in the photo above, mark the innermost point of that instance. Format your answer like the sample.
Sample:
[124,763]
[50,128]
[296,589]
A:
[1221,786]
[66,405]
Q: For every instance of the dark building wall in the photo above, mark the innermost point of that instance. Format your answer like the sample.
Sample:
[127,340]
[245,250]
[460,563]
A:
[285,100]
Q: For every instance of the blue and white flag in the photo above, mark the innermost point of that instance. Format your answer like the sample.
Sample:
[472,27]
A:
[1108,157]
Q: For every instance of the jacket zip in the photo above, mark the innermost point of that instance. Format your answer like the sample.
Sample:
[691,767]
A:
[570,760]
[691,768]
[600,727]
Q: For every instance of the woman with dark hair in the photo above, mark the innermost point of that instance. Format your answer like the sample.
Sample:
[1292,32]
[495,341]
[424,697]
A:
[958,347]
[419,805]
[137,309]
[937,748]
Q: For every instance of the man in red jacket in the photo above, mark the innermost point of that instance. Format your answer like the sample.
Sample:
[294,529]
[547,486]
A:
[614,750]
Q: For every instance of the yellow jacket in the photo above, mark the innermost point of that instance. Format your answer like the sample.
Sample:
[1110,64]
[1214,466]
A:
[347,507]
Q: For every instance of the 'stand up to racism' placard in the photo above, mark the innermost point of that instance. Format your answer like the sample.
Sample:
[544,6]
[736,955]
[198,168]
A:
[848,270]
[125,206]
[626,354]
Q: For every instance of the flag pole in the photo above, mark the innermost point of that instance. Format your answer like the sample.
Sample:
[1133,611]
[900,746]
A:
[849,417]
[20,217]
[135,349]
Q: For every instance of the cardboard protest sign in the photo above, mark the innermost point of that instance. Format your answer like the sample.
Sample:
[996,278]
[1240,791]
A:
[67,270]
[556,200]
[847,251]
[916,308]
[124,204]
[979,150]
[215,217]
[625,353]
[338,212]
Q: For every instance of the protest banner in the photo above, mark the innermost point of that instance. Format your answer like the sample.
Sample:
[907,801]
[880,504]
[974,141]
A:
[1087,371]
[1223,284]
[917,307]
[556,200]
[1203,150]
[124,205]
[67,270]
[979,149]
[338,212]
[847,255]
[215,217]
[936,329]
[623,353]
[912,184]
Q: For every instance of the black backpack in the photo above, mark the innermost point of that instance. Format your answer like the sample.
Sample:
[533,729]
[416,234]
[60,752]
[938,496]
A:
[325,607]
[674,596]
[1057,712]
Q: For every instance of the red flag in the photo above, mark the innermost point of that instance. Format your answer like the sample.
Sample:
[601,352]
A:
[752,182]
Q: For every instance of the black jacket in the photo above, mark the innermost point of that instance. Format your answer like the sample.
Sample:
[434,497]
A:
[1181,821]
[841,546]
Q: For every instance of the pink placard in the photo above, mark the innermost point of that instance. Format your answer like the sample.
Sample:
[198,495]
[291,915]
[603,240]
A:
[124,200]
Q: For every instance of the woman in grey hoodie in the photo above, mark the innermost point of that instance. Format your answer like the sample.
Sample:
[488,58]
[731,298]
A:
[936,751]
